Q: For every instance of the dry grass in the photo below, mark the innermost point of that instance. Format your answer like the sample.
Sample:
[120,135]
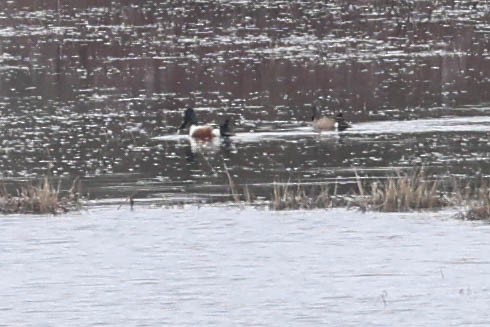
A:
[233,187]
[410,191]
[41,198]
[415,190]
[287,196]
[476,213]
[407,191]
[477,206]
[401,192]
[236,196]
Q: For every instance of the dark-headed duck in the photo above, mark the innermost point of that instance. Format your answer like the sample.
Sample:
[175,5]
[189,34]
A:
[203,131]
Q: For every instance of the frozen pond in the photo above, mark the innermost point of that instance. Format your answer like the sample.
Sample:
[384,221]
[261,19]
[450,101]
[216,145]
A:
[225,266]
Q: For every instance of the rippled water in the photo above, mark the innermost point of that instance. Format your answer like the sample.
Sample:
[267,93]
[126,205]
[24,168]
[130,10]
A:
[96,89]
[225,266]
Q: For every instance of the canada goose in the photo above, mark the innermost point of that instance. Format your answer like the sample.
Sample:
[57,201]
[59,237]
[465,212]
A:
[327,123]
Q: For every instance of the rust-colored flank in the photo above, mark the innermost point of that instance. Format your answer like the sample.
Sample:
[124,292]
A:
[203,133]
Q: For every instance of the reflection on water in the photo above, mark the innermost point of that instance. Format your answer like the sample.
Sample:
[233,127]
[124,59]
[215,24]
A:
[97,88]
[215,266]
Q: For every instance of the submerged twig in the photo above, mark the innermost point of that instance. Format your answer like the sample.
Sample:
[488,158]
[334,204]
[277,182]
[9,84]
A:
[233,189]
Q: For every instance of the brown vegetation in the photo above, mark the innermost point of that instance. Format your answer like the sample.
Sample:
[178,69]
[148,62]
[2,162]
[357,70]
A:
[413,190]
[477,206]
[287,196]
[407,191]
[410,191]
[400,192]
[41,198]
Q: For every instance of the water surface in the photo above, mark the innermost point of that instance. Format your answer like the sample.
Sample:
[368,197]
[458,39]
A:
[222,266]
[96,89]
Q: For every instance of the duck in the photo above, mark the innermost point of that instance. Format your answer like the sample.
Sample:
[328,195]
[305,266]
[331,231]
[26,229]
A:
[340,123]
[327,123]
[203,132]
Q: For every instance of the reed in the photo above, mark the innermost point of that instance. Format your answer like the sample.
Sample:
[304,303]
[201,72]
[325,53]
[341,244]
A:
[233,187]
[398,192]
[248,196]
[477,206]
[403,192]
[287,196]
[40,198]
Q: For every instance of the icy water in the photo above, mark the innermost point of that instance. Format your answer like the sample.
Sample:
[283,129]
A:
[96,89]
[222,266]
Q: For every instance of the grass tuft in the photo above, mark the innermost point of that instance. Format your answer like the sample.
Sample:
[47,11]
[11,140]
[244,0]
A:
[478,204]
[399,192]
[41,198]
[410,191]
[287,196]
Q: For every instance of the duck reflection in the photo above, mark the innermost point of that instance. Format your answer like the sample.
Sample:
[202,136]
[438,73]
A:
[214,145]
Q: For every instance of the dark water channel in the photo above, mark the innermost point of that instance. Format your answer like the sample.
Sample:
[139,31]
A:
[97,88]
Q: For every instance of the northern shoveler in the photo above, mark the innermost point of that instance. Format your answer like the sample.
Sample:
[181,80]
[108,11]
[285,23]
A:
[205,132]
[328,124]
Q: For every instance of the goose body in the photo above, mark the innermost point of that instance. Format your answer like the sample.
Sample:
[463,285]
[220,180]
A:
[327,123]
[324,124]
